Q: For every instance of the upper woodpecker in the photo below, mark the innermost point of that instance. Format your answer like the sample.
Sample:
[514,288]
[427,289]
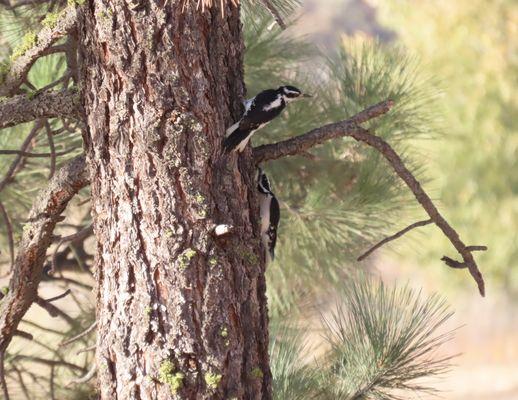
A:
[270,215]
[258,112]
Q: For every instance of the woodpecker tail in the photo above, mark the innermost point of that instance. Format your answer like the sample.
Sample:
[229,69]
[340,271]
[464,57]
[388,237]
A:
[237,139]
[272,255]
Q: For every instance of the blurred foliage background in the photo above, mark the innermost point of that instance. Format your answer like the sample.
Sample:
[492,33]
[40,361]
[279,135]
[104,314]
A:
[471,46]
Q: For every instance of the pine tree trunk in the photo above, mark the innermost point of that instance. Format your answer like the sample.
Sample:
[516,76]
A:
[181,313]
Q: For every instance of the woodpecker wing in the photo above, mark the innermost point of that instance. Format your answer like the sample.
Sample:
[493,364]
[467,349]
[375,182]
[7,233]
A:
[258,112]
[275,216]
[263,108]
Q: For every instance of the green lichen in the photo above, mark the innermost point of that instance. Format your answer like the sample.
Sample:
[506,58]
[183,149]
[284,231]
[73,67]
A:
[148,310]
[199,198]
[28,41]
[202,213]
[224,332]
[212,380]
[4,70]
[190,253]
[105,15]
[168,376]
[51,19]
[169,233]
[257,373]
[185,258]
[248,256]
[213,261]
[5,290]
[76,2]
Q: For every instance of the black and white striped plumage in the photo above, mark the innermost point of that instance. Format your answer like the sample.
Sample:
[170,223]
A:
[258,112]
[270,215]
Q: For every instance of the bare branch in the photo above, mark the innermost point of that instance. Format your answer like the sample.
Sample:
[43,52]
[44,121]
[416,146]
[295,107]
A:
[82,234]
[52,148]
[86,349]
[393,237]
[3,383]
[275,13]
[476,248]
[33,155]
[44,40]
[90,374]
[351,128]
[44,361]
[81,335]
[60,296]
[54,311]
[49,330]
[28,266]
[9,230]
[69,281]
[51,382]
[14,165]
[450,262]
[23,334]
[300,144]
[21,382]
[64,79]
[22,108]
[395,161]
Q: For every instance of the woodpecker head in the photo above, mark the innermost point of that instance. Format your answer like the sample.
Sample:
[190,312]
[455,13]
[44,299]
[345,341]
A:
[291,93]
[263,184]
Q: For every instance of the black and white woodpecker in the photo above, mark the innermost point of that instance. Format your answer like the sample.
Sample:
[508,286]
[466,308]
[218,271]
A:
[259,110]
[270,215]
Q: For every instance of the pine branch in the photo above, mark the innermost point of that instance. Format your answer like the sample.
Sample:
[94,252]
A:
[13,169]
[426,202]
[79,336]
[27,270]
[383,340]
[394,237]
[3,382]
[43,41]
[275,13]
[351,128]
[300,144]
[49,104]
[85,378]
[9,230]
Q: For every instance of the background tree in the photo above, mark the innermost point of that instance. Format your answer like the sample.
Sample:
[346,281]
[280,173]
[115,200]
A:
[180,311]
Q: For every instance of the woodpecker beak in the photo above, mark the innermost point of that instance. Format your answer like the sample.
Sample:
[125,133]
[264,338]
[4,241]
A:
[306,95]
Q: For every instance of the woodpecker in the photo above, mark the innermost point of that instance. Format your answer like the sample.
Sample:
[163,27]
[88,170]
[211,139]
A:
[259,110]
[270,215]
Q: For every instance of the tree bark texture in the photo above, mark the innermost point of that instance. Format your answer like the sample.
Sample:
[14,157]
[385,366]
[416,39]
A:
[181,313]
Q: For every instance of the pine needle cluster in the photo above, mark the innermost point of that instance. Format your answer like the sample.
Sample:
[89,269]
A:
[380,343]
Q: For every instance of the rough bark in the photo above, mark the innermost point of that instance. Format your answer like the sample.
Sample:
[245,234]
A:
[180,310]
[37,237]
[21,108]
